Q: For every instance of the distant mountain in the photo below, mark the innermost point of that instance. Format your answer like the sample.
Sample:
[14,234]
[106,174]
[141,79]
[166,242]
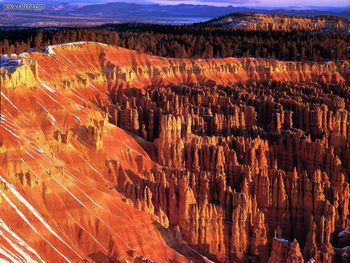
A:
[87,13]
[132,11]
[340,11]
[277,22]
[64,7]
[127,12]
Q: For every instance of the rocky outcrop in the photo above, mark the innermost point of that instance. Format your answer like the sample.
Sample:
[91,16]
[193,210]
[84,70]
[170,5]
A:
[96,62]
[23,74]
[266,22]
[91,134]
[286,252]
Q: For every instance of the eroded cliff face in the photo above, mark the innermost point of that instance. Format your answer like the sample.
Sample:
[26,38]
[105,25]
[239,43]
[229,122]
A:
[265,22]
[18,72]
[110,156]
[84,62]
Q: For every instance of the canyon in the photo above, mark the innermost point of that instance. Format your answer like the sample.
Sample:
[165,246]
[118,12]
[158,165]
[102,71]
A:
[112,155]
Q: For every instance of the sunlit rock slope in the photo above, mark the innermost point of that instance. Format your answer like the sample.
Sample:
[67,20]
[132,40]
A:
[276,22]
[75,187]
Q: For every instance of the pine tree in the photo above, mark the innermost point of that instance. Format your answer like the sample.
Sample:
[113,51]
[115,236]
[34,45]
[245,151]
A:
[38,41]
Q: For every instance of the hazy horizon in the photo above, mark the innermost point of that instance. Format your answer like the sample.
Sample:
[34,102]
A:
[239,3]
[257,3]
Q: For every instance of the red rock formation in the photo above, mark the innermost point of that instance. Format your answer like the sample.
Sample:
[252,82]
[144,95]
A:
[266,22]
[286,252]
[192,172]
[93,62]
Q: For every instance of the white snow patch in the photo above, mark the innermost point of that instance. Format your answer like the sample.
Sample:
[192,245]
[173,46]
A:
[52,119]
[35,212]
[73,43]
[102,44]
[9,255]
[195,251]
[282,240]
[16,247]
[47,87]
[6,98]
[50,50]
[29,224]
[345,232]
[83,205]
[14,134]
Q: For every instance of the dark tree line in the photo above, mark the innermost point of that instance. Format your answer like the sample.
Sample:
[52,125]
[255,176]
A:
[188,41]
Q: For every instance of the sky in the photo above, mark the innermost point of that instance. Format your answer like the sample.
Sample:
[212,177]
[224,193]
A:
[261,3]
[248,3]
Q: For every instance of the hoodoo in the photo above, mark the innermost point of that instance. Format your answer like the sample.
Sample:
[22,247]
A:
[112,155]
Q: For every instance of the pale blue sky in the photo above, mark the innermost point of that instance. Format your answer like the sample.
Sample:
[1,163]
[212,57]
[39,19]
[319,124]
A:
[249,3]
[267,3]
